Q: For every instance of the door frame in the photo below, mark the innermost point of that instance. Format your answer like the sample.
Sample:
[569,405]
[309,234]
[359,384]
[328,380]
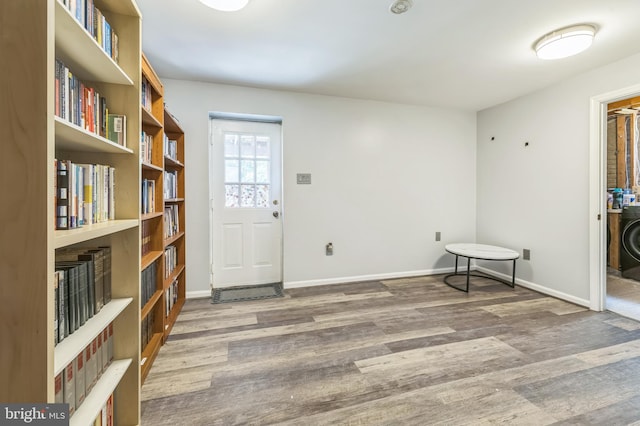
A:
[257,118]
[597,192]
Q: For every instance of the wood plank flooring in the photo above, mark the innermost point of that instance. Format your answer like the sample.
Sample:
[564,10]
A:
[623,296]
[397,352]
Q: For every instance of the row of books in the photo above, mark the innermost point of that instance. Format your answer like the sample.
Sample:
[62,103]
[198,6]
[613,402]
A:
[84,194]
[170,184]
[145,237]
[170,147]
[92,19]
[105,417]
[148,279]
[82,286]
[146,333]
[171,221]
[147,98]
[82,105]
[146,148]
[170,260]
[148,204]
[170,297]
[78,378]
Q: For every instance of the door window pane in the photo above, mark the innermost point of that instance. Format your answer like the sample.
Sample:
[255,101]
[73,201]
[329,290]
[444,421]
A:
[248,171]
[231,146]
[247,196]
[247,146]
[231,196]
[263,147]
[262,196]
[231,171]
[262,172]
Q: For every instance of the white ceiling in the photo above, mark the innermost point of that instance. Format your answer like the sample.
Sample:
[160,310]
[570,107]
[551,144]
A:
[469,54]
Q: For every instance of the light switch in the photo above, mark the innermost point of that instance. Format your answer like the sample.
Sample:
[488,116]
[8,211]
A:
[303,178]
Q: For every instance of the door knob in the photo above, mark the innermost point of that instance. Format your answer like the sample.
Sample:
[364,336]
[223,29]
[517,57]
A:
[276,214]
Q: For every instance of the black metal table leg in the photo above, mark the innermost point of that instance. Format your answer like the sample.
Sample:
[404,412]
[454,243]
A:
[468,271]
[513,277]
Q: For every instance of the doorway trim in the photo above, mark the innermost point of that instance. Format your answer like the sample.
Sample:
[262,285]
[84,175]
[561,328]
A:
[257,118]
[597,200]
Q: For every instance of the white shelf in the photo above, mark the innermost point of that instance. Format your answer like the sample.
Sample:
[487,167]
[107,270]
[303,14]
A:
[74,138]
[64,238]
[72,345]
[82,54]
[97,398]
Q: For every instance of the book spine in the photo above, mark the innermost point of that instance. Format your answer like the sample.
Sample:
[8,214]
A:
[62,196]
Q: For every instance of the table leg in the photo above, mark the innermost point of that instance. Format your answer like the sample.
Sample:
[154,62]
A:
[455,271]
[513,277]
[468,270]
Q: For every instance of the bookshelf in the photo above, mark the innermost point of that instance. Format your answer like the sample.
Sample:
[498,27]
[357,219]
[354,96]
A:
[160,287]
[36,33]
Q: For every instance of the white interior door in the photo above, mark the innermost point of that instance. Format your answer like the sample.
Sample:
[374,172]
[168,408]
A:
[245,168]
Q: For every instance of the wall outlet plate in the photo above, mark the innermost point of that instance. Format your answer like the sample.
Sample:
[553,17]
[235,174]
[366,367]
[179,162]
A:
[526,254]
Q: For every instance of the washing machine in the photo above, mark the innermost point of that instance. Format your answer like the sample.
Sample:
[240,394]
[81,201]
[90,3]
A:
[630,242]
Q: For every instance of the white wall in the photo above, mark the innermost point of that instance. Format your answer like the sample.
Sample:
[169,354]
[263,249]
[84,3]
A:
[537,197]
[385,178]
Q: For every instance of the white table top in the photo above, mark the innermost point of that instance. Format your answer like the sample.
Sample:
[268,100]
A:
[482,251]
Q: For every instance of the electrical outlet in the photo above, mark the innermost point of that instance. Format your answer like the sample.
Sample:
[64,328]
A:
[328,249]
[526,254]
[437,236]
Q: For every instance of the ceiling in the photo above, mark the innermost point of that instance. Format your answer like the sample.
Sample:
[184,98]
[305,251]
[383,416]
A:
[466,54]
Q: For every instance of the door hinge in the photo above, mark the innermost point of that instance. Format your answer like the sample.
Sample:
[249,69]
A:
[599,216]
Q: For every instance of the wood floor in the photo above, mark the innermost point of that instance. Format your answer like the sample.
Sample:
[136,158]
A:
[623,296]
[397,352]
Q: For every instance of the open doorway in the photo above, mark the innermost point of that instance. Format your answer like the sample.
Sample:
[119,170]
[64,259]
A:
[623,207]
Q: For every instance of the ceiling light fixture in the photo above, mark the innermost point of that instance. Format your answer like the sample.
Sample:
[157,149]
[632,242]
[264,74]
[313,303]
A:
[225,5]
[400,6]
[565,42]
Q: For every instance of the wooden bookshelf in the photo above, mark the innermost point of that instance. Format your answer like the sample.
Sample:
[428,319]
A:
[35,34]
[157,124]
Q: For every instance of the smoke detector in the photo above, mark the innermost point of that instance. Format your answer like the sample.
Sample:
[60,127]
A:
[400,6]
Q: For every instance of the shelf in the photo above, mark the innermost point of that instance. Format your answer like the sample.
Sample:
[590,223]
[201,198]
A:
[75,343]
[64,238]
[151,167]
[171,124]
[173,239]
[149,258]
[97,398]
[172,164]
[174,274]
[82,54]
[174,200]
[149,119]
[148,307]
[149,354]
[74,138]
[149,216]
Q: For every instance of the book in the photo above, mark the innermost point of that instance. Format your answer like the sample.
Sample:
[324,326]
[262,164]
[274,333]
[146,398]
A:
[68,387]
[105,349]
[79,372]
[106,251]
[117,128]
[91,371]
[59,393]
[98,354]
[110,344]
[56,330]
[62,195]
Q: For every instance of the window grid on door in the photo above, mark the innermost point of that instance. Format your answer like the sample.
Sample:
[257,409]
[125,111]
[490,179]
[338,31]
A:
[247,170]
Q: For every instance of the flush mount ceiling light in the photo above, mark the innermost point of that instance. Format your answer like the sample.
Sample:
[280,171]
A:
[225,5]
[400,6]
[565,42]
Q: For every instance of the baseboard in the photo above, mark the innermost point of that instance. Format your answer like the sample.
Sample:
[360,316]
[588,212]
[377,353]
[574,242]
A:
[537,287]
[387,276]
[200,294]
